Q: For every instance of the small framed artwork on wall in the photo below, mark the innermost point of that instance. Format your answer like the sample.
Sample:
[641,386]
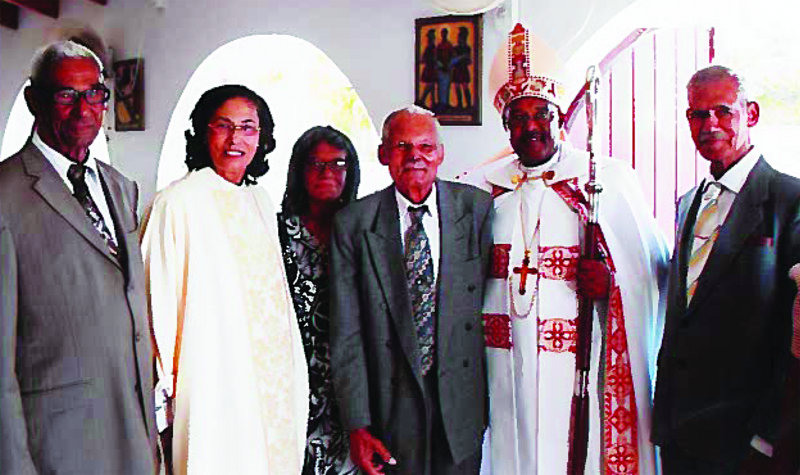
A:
[447,72]
[129,94]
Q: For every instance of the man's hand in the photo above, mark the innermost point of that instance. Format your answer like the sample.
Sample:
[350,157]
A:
[594,279]
[363,447]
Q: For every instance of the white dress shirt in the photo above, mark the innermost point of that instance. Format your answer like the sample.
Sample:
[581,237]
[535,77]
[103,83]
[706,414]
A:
[732,182]
[430,222]
[62,164]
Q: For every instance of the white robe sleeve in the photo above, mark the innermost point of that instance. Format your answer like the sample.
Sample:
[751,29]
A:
[166,265]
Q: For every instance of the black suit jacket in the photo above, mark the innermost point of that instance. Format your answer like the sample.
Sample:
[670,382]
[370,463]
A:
[723,359]
[374,351]
[76,391]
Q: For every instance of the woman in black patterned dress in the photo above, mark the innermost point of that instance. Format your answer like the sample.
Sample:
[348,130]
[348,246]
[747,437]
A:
[323,177]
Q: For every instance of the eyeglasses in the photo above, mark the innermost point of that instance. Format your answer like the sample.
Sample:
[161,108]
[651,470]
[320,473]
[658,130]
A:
[722,113]
[334,166]
[228,128]
[425,148]
[67,96]
[542,116]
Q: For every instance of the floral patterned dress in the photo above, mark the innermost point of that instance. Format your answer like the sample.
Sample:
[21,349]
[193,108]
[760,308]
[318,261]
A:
[306,260]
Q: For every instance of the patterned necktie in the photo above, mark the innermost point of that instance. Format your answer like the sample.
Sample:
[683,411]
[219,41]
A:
[421,285]
[794,274]
[706,230]
[77,176]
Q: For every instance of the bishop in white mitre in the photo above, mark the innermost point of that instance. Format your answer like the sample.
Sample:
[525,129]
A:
[536,277]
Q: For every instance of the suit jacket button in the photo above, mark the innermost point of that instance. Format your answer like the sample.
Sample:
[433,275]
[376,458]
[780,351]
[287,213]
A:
[470,287]
[138,337]
[389,344]
[468,326]
[465,363]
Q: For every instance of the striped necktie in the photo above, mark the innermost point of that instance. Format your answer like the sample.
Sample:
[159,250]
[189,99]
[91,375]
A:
[706,229]
[77,176]
[421,285]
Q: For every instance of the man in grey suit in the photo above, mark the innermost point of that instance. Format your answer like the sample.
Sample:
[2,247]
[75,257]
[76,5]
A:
[407,354]
[76,365]
[725,353]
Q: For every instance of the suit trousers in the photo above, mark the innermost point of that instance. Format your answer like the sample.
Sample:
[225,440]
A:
[432,455]
[675,461]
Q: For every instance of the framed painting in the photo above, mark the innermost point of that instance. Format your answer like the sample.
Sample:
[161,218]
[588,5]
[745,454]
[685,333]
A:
[129,94]
[447,68]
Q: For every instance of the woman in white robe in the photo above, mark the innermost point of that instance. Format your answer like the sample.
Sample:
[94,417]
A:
[229,349]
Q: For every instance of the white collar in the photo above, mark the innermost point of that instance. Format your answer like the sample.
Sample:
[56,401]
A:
[567,163]
[403,203]
[734,178]
[59,161]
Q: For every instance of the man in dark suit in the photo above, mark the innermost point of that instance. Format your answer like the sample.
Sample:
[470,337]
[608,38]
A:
[725,352]
[76,361]
[407,355]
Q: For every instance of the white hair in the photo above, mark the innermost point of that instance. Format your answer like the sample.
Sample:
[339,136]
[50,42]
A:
[413,109]
[49,55]
[716,73]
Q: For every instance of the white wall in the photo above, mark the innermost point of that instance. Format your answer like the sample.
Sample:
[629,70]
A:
[370,40]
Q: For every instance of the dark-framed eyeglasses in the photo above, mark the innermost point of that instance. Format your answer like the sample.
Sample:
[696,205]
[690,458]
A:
[722,113]
[67,96]
[339,165]
[227,128]
[542,116]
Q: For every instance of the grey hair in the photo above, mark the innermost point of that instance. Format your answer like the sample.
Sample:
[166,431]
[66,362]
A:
[716,73]
[49,55]
[413,109]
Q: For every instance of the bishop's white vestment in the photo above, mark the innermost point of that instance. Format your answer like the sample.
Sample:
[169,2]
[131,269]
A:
[530,326]
[225,328]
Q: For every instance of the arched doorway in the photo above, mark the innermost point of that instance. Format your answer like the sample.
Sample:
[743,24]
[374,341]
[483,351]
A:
[303,88]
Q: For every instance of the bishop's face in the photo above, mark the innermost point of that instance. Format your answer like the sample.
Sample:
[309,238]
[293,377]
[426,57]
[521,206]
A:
[533,129]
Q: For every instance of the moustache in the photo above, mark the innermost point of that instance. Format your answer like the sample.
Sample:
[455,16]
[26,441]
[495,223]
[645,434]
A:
[706,136]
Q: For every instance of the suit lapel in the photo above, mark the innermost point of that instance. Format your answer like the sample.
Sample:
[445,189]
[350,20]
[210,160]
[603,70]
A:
[455,249]
[52,189]
[745,216]
[386,252]
[118,206]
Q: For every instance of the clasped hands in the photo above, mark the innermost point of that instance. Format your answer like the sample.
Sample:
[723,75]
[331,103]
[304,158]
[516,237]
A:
[364,447]
[594,279]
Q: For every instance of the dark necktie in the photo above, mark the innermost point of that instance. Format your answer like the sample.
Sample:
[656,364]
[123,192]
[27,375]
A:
[77,176]
[421,285]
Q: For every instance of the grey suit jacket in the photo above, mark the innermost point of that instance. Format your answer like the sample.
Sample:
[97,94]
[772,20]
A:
[76,369]
[374,350]
[723,360]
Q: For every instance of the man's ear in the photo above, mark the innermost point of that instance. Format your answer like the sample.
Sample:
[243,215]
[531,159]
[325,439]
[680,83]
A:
[31,100]
[382,151]
[753,113]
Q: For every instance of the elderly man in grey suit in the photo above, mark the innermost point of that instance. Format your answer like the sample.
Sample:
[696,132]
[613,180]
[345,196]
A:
[76,367]
[725,353]
[407,354]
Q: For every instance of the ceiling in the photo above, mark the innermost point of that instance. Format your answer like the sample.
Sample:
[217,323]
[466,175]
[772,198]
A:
[9,10]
